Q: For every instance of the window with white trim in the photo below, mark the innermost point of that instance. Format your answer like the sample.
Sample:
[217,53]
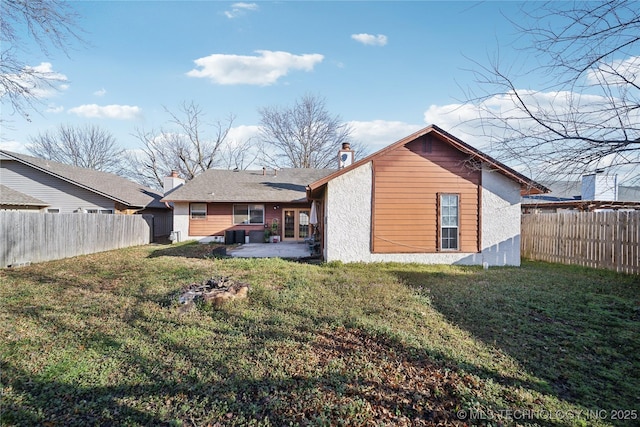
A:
[449,222]
[248,214]
[53,210]
[198,210]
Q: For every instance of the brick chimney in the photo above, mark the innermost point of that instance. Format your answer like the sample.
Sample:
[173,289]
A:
[345,156]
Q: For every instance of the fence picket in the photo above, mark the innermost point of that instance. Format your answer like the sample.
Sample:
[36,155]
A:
[608,240]
[28,237]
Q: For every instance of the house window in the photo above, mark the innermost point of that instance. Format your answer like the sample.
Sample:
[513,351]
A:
[106,211]
[92,210]
[248,214]
[53,210]
[449,222]
[198,210]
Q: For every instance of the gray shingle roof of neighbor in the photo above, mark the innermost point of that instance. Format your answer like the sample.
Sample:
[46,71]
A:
[215,185]
[9,196]
[106,184]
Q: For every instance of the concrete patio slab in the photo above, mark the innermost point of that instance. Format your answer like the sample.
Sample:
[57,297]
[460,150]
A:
[271,250]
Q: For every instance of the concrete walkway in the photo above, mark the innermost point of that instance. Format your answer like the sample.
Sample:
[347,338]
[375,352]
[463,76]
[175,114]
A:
[271,250]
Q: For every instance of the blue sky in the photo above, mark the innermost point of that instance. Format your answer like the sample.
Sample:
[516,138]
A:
[387,68]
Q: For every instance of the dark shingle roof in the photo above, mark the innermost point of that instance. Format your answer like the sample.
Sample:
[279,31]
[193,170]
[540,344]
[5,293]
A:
[214,185]
[9,196]
[106,184]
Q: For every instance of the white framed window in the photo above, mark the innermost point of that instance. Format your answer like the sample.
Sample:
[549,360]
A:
[449,222]
[248,214]
[198,210]
[53,210]
[106,211]
[91,211]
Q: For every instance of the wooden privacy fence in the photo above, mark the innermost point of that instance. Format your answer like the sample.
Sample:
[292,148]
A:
[608,240]
[27,237]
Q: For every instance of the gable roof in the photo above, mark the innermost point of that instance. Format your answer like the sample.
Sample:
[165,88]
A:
[216,185]
[527,185]
[11,197]
[106,184]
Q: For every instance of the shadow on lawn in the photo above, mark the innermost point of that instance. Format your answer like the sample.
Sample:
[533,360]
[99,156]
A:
[186,386]
[191,250]
[342,376]
[570,328]
[338,374]
[334,387]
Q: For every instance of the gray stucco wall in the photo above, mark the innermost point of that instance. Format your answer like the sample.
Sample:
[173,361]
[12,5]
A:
[348,223]
[181,221]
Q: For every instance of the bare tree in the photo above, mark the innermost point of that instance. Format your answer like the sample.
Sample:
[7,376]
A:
[587,117]
[240,154]
[185,147]
[51,24]
[302,136]
[88,146]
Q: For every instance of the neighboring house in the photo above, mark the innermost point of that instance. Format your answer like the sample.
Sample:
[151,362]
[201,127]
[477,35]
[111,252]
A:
[47,186]
[428,198]
[225,205]
[594,192]
[13,200]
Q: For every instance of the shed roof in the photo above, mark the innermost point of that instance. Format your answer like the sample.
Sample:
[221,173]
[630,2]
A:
[11,197]
[106,184]
[527,185]
[216,185]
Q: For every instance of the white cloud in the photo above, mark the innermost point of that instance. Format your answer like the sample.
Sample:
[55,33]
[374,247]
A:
[264,69]
[101,92]
[120,112]
[462,119]
[482,126]
[238,9]
[242,133]
[370,39]
[14,146]
[619,72]
[377,134]
[41,81]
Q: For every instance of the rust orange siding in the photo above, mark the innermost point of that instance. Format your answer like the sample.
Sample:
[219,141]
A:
[406,185]
[220,218]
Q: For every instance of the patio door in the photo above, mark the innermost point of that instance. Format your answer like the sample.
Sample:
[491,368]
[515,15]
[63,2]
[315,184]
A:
[295,224]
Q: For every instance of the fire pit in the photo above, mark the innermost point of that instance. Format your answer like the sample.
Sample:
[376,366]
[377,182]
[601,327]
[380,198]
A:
[215,291]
